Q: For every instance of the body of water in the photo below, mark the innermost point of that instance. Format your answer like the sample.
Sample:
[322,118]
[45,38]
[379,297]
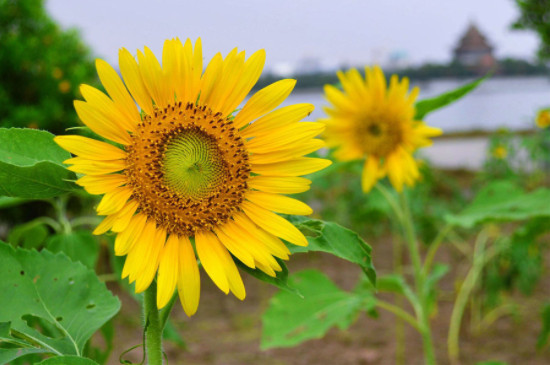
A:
[510,102]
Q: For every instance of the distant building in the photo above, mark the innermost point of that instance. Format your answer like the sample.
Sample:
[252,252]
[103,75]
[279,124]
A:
[474,52]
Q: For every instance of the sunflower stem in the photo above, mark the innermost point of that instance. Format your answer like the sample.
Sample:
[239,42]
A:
[153,329]
[419,276]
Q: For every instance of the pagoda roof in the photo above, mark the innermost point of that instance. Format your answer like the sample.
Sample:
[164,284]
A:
[473,40]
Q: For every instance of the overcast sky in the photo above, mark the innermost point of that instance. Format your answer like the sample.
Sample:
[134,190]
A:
[351,32]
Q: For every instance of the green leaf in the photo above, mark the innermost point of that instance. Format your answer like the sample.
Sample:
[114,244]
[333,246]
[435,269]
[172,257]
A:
[31,165]
[394,283]
[334,239]
[10,354]
[290,320]
[280,281]
[503,201]
[28,235]
[78,245]
[430,289]
[6,201]
[68,360]
[423,107]
[52,303]
[544,335]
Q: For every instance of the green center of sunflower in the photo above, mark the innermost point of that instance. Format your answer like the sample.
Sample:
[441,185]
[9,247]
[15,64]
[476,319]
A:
[193,164]
[188,168]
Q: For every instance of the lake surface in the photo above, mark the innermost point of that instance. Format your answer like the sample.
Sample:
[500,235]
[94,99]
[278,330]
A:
[510,102]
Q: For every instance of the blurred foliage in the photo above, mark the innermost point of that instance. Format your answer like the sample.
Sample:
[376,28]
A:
[336,195]
[535,16]
[41,67]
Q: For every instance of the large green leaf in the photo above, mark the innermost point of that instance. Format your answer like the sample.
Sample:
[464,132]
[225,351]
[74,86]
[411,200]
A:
[31,165]
[334,239]
[6,201]
[78,245]
[290,320]
[423,107]
[503,201]
[50,302]
[68,360]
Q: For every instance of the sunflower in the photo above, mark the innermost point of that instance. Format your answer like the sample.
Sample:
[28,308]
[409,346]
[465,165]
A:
[500,152]
[185,176]
[543,118]
[369,119]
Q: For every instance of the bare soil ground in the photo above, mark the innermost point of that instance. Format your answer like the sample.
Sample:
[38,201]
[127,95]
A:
[227,331]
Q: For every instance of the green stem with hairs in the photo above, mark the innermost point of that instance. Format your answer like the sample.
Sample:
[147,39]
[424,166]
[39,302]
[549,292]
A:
[153,329]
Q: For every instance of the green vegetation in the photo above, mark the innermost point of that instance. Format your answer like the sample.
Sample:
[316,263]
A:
[41,67]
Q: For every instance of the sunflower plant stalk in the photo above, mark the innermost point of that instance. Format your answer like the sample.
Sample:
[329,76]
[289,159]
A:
[184,176]
[380,123]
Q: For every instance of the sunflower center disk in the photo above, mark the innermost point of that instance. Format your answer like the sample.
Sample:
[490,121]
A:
[379,137]
[193,164]
[188,168]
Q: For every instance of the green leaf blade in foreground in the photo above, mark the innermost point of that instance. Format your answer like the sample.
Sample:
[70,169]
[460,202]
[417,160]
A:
[290,319]
[332,238]
[503,201]
[68,360]
[65,297]
[31,165]
[78,245]
[426,106]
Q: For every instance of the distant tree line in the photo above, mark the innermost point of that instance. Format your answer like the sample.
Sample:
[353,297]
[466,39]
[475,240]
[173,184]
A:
[506,67]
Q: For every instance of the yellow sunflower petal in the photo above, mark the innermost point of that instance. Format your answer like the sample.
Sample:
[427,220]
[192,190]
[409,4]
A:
[264,101]
[218,264]
[114,201]
[287,154]
[211,74]
[117,91]
[274,224]
[105,224]
[278,203]
[148,253]
[236,248]
[370,174]
[125,240]
[168,270]
[278,119]
[132,78]
[232,69]
[90,148]
[255,247]
[93,167]
[106,106]
[189,278]
[296,167]
[275,246]
[125,215]
[288,135]
[154,78]
[101,184]
[281,185]
[99,123]
[251,73]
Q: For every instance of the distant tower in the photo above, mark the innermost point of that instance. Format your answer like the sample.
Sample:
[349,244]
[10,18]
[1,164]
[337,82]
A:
[474,52]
